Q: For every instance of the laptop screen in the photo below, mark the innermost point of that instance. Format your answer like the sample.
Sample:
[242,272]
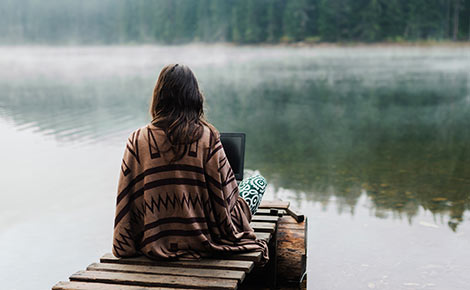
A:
[234,147]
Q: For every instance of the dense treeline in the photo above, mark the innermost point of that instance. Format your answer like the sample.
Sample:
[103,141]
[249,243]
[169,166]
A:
[240,21]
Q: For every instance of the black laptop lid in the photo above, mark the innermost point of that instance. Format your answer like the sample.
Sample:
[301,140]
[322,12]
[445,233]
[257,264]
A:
[234,147]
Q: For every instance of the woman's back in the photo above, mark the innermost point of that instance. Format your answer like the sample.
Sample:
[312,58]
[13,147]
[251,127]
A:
[184,208]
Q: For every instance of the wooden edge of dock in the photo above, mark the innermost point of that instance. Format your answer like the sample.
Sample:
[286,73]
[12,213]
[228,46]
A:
[285,206]
[276,222]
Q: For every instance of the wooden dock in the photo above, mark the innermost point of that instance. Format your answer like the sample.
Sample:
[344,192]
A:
[275,222]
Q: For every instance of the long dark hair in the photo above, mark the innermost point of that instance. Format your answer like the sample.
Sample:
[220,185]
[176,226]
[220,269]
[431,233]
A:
[177,107]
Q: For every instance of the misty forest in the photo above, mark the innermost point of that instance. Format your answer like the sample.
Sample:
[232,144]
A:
[243,21]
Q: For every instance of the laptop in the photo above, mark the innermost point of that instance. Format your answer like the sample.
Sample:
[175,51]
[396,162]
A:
[234,147]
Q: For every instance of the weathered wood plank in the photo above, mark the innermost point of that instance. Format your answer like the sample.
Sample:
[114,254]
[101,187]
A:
[265,218]
[269,211]
[236,265]
[296,214]
[279,204]
[74,285]
[175,271]
[263,227]
[154,280]
[247,256]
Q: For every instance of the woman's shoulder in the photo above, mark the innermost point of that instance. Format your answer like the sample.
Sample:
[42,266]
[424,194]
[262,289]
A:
[151,133]
[211,133]
[139,132]
[142,134]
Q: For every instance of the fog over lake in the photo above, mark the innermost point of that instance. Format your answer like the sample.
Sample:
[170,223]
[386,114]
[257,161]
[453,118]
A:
[371,142]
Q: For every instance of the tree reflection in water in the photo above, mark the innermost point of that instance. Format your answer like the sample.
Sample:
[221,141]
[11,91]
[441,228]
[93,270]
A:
[323,126]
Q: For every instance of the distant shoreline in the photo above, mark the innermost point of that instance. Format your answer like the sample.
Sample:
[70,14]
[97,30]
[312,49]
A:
[331,44]
[380,44]
[422,43]
[232,44]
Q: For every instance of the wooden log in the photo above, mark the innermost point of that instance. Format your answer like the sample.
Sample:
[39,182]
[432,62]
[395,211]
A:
[291,250]
[287,219]
[290,223]
[154,280]
[163,270]
[73,285]
[245,266]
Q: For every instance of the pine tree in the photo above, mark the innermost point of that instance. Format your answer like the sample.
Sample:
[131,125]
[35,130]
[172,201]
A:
[295,20]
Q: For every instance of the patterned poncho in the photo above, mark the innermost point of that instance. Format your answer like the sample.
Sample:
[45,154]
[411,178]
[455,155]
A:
[188,208]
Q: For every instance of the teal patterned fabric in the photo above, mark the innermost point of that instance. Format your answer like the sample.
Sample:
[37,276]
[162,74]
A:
[252,190]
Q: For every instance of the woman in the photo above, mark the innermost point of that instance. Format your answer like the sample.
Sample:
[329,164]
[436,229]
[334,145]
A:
[177,194]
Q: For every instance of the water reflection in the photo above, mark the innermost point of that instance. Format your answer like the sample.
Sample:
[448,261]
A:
[390,124]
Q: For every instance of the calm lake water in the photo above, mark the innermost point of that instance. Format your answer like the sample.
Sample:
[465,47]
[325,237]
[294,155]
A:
[372,143]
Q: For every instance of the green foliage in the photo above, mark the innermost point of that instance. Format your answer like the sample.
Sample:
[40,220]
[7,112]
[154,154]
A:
[334,20]
[239,21]
[295,20]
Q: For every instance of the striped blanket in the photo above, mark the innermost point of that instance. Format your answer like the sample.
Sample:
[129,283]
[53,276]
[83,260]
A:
[184,209]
